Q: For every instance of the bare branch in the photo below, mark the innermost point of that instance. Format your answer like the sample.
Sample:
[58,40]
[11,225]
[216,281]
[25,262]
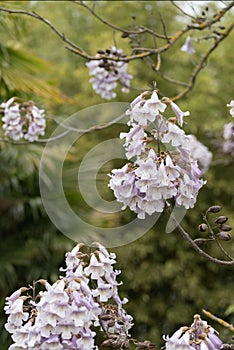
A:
[203,63]
[141,30]
[199,250]
[182,11]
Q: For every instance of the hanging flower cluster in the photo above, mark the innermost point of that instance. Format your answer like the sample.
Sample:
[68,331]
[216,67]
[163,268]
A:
[106,73]
[67,313]
[199,336]
[22,120]
[163,171]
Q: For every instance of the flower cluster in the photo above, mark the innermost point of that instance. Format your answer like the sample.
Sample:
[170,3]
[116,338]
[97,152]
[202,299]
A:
[67,313]
[105,73]
[228,134]
[168,169]
[22,120]
[198,336]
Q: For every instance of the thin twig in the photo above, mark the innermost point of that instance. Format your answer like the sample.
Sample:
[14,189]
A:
[141,30]
[215,238]
[196,247]
[202,63]
[199,250]
[182,11]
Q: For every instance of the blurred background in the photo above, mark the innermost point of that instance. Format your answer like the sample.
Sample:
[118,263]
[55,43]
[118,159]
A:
[165,281]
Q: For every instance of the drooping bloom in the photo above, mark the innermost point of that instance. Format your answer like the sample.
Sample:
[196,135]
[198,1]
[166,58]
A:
[187,47]
[22,120]
[162,165]
[199,336]
[106,73]
[67,314]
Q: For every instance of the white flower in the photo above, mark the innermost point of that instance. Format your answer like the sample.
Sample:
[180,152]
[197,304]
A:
[179,114]
[175,136]
[231,104]
[135,141]
[187,47]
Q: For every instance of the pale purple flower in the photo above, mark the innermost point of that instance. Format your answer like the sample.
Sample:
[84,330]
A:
[95,268]
[135,143]
[187,47]
[175,136]
[155,105]
[200,153]
[106,74]
[68,311]
[146,185]
[179,114]
[104,291]
[231,104]
[23,120]
[199,336]
[228,134]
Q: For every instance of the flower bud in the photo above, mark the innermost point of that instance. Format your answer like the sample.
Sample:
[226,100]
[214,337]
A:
[199,241]
[221,219]
[106,343]
[124,35]
[225,227]
[214,209]
[202,227]
[224,236]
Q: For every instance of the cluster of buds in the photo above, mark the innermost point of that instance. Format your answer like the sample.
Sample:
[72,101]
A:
[218,228]
[106,73]
[163,162]
[22,120]
[68,313]
[199,336]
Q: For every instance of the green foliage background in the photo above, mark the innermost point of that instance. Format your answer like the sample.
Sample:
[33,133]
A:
[165,281]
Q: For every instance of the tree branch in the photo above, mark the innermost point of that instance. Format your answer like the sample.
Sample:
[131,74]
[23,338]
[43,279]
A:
[199,250]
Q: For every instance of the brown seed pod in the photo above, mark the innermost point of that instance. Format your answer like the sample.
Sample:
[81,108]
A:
[221,219]
[202,227]
[225,227]
[199,241]
[214,209]
[224,236]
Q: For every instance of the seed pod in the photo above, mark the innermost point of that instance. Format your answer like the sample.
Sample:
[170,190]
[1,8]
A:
[106,343]
[124,35]
[214,209]
[224,236]
[199,241]
[221,219]
[203,227]
[225,227]
[106,317]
